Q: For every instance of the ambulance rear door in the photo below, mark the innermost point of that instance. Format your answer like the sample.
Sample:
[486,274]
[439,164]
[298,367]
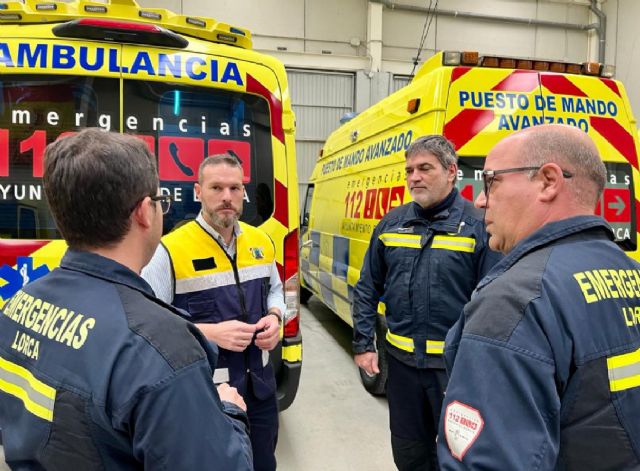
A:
[598,106]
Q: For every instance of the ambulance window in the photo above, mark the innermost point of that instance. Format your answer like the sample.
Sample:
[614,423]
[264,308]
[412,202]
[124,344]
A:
[306,212]
[34,111]
[470,176]
[617,204]
[184,124]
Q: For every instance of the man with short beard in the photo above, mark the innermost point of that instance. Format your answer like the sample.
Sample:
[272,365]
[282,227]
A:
[223,273]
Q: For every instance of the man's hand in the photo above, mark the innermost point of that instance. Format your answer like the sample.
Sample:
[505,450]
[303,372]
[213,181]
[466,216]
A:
[268,329]
[368,361]
[229,394]
[230,335]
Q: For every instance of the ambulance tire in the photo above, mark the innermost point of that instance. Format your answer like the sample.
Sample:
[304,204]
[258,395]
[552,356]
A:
[377,385]
[305,294]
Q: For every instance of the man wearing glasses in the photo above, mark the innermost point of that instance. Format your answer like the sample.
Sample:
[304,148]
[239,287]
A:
[223,273]
[424,260]
[545,361]
[118,380]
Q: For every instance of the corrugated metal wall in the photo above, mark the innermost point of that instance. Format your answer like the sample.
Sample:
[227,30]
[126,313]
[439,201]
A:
[398,82]
[319,100]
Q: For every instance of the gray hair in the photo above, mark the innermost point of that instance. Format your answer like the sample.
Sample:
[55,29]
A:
[219,159]
[573,152]
[434,144]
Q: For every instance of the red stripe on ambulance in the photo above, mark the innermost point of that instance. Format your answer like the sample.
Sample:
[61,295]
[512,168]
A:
[459,72]
[612,85]
[519,81]
[281,211]
[253,86]
[560,85]
[11,249]
[466,124]
[617,136]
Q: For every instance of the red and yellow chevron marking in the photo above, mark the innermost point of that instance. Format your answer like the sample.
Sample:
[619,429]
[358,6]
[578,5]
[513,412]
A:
[486,105]
[477,99]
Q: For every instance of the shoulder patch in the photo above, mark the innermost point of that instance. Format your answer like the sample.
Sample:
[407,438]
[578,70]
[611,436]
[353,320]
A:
[169,334]
[498,307]
[462,427]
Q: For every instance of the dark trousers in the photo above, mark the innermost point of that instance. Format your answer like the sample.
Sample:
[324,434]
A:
[415,399]
[263,423]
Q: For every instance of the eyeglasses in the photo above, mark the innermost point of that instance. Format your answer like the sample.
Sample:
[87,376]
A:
[488,176]
[165,202]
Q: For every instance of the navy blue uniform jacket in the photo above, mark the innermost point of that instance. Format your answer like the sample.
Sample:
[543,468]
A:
[95,373]
[546,359]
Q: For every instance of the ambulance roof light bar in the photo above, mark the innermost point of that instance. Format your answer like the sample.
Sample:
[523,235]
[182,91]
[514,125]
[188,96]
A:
[51,12]
[120,31]
[470,58]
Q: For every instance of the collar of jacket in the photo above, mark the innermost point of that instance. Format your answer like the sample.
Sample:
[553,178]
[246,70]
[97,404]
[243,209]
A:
[98,266]
[548,233]
[447,220]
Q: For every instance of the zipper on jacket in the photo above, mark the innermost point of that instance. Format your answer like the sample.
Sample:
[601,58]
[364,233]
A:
[243,306]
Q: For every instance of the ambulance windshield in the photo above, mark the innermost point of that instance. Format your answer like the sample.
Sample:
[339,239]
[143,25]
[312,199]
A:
[180,124]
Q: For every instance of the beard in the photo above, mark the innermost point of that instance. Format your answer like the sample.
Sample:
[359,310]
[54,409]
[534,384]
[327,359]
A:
[226,220]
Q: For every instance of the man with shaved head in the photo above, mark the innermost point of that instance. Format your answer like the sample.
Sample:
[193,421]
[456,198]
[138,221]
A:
[544,364]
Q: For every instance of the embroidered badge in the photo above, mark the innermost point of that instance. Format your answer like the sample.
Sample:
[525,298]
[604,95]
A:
[257,253]
[462,427]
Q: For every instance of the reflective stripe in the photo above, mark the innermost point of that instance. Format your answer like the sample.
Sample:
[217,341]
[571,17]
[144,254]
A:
[201,283]
[254,272]
[392,239]
[221,375]
[624,371]
[38,398]
[382,308]
[403,343]
[217,280]
[265,357]
[292,353]
[459,244]
[433,347]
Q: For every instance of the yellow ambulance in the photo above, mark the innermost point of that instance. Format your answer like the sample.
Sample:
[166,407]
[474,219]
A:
[187,86]
[474,101]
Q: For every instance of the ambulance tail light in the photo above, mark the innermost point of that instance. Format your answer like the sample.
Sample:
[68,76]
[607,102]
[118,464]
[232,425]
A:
[120,31]
[291,285]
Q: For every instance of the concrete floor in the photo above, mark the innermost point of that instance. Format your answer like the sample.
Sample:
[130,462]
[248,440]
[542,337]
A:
[334,424]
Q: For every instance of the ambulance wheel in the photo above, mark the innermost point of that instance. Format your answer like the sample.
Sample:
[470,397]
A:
[305,294]
[377,385]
